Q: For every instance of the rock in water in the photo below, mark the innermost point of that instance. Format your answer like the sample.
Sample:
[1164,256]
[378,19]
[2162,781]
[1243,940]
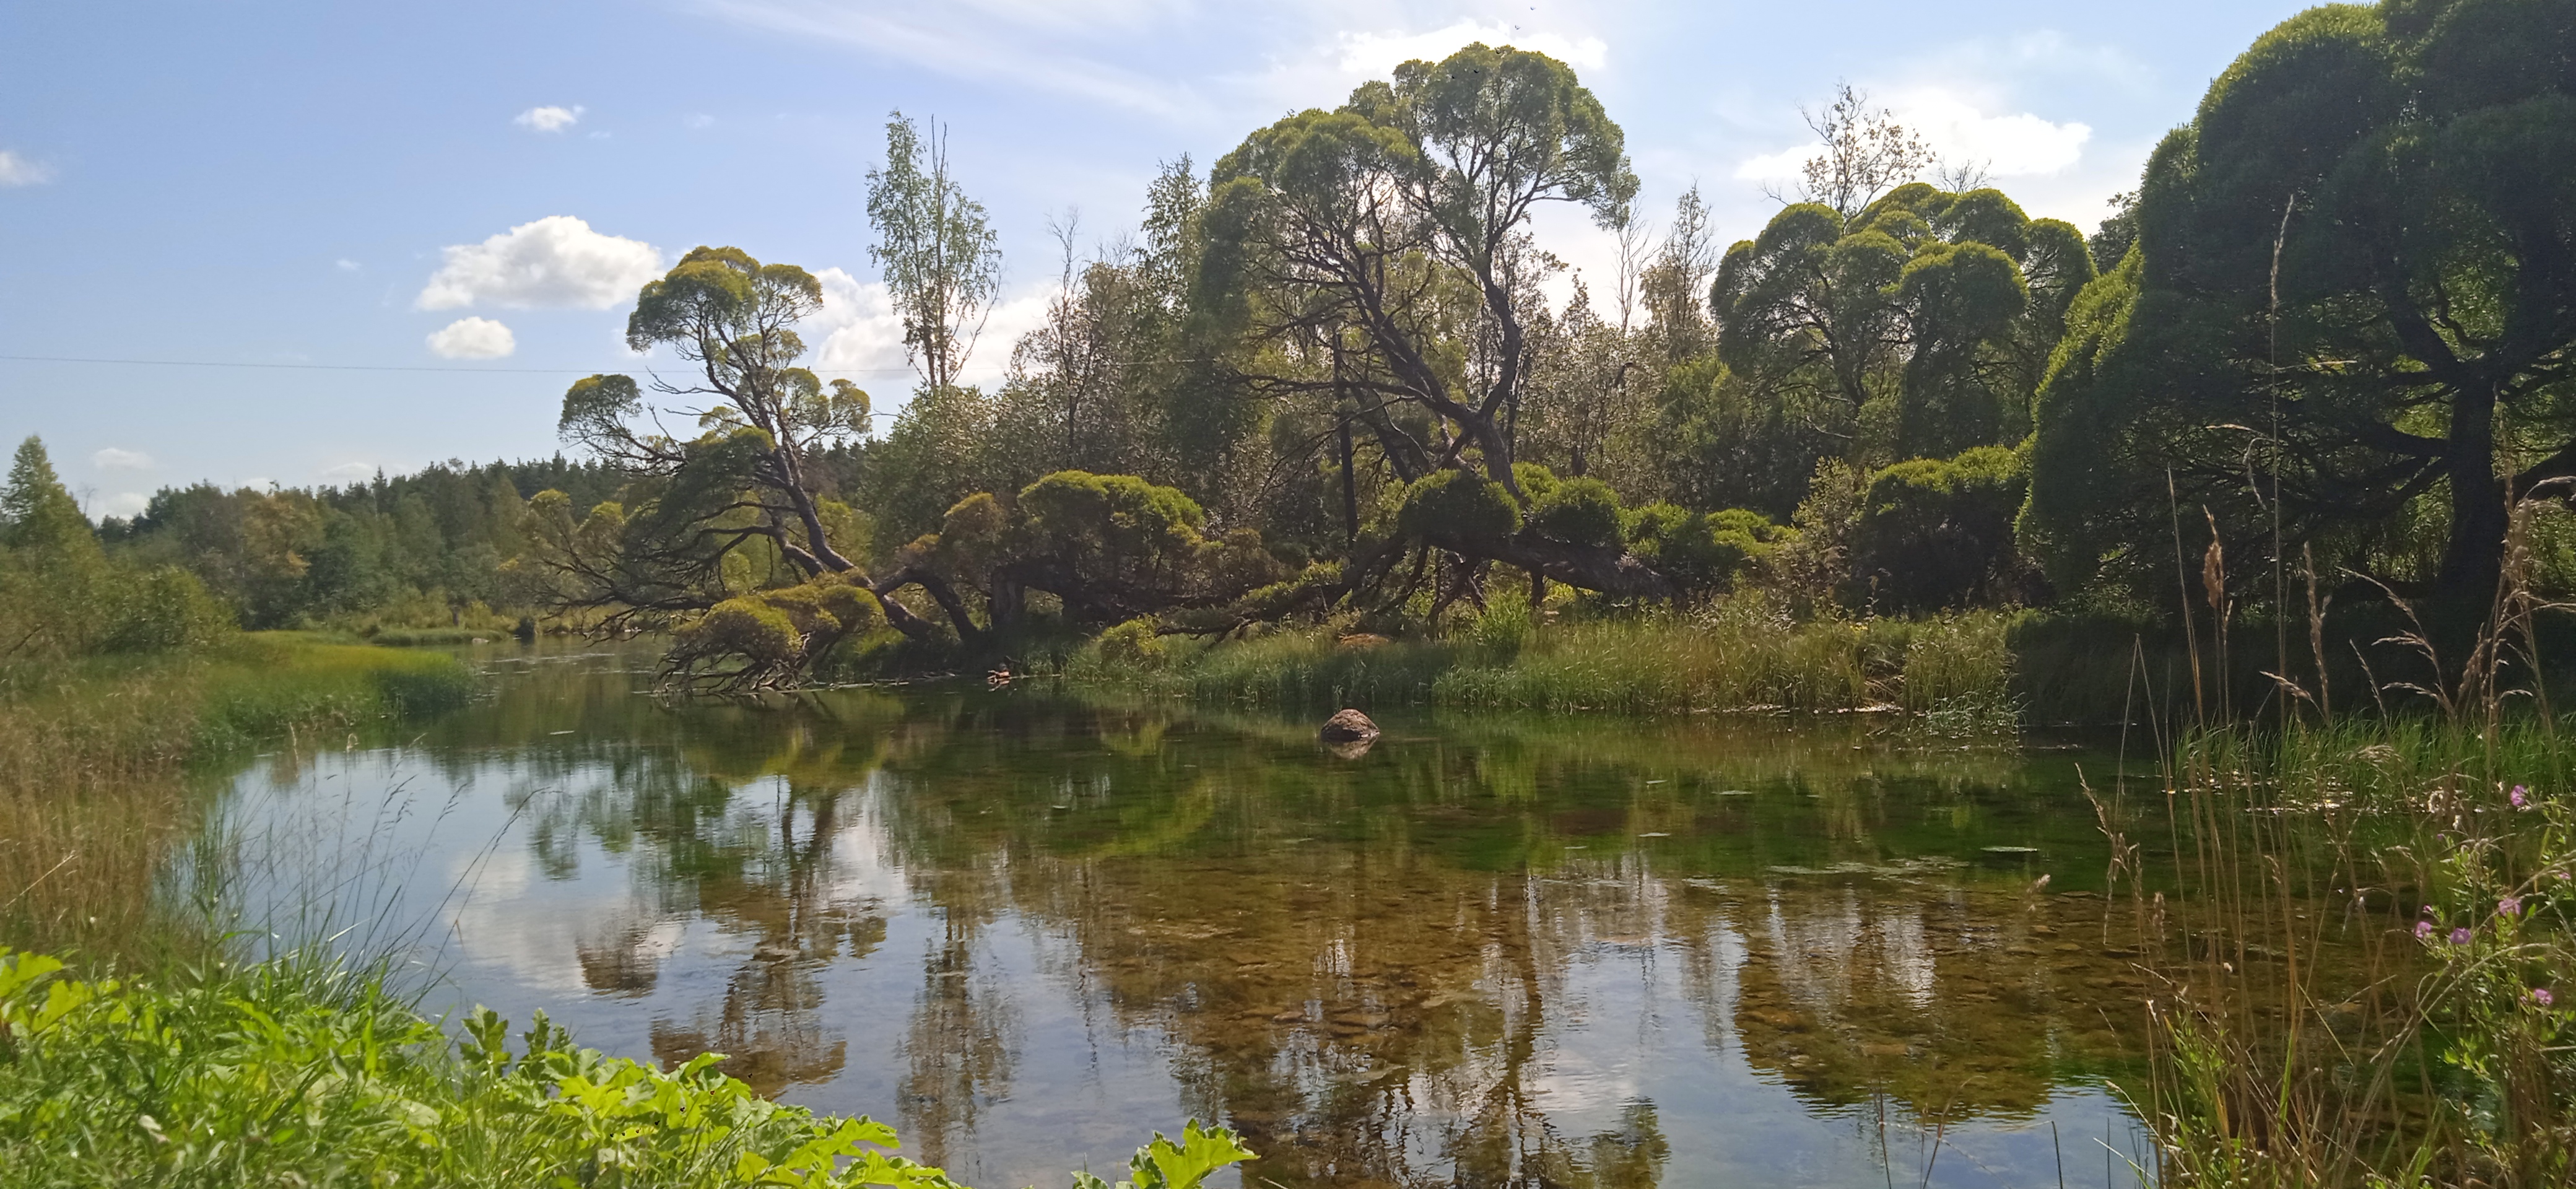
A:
[1348,726]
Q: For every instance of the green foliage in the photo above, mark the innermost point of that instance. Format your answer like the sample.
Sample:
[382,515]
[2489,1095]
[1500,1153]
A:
[1577,512]
[1937,533]
[1135,644]
[2355,291]
[1711,551]
[1163,1164]
[1923,324]
[289,1073]
[1458,506]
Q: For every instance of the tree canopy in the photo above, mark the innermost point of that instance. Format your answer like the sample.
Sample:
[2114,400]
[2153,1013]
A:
[2350,316]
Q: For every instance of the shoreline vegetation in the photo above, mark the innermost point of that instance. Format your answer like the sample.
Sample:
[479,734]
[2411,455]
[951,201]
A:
[2272,472]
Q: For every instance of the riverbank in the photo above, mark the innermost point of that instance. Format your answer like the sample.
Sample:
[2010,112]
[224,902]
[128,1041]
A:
[302,1071]
[97,763]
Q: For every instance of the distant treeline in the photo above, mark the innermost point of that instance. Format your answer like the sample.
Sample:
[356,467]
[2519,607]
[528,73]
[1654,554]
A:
[416,550]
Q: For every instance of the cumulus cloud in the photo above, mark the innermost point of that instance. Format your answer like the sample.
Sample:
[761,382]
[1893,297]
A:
[2016,144]
[19,171]
[857,332]
[113,459]
[548,119]
[1378,53]
[556,261]
[344,264]
[859,337]
[124,505]
[349,472]
[473,338]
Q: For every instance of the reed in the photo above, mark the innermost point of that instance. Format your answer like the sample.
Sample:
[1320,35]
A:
[2366,966]
[102,771]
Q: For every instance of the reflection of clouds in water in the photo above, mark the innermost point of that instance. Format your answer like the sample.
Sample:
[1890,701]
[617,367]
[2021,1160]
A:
[1031,933]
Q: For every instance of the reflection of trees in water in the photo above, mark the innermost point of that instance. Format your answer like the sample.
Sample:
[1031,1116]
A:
[1364,966]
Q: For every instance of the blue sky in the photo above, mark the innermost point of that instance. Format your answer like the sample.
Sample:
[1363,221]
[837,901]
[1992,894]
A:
[475,189]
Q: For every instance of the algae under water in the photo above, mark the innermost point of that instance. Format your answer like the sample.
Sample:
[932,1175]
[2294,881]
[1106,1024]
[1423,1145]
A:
[1491,950]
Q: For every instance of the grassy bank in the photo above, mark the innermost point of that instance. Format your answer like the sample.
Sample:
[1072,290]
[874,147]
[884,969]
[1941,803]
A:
[1739,655]
[98,764]
[304,1073]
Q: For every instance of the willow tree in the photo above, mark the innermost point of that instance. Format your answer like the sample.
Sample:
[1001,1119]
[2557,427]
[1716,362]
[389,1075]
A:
[2352,302]
[734,509]
[1918,327]
[1368,243]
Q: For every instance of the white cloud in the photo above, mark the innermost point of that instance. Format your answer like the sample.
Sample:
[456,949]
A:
[699,120]
[2013,145]
[556,261]
[349,472]
[548,119]
[2016,145]
[125,504]
[1376,54]
[982,46]
[473,338]
[858,336]
[19,171]
[113,459]
[344,264]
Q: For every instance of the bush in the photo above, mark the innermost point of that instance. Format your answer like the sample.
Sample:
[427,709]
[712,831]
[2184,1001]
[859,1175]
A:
[745,627]
[164,609]
[1578,512]
[1458,506]
[1936,534]
[1137,643]
[1704,552]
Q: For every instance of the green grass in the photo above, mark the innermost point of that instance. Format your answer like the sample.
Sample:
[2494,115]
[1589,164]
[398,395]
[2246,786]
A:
[1736,655]
[302,1072]
[102,764]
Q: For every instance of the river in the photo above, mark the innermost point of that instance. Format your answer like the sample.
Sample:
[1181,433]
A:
[1028,929]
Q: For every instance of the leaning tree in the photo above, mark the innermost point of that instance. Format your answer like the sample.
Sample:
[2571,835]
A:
[2352,303]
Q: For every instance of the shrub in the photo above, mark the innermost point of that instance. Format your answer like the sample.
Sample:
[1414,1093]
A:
[1937,534]
[1578,512]
[1137,643]
[745,627]
[164,609]
[1706,552]
[1458,506]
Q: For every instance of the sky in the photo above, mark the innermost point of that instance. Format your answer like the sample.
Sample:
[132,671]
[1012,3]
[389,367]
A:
[288,243]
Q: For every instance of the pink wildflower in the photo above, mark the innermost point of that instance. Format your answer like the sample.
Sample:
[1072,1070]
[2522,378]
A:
[2459,937]
[2509,906]
[2521,797]
[2541,996]
[2423,930]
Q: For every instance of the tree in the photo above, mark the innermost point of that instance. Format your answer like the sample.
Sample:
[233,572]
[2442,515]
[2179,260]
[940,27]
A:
[1379,235]
[940,258]
[2355,295]
[1865,154]
[1918,328]
[705,519]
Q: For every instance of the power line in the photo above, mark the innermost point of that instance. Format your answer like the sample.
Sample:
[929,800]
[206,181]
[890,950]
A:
[379,367]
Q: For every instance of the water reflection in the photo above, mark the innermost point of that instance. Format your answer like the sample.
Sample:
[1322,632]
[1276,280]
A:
[1488,951]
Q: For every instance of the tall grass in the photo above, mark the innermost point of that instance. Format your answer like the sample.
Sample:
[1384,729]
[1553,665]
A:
[101,769]
[2370,976]
[1741,654]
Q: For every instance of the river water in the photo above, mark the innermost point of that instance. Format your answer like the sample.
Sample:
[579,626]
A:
[1028,929]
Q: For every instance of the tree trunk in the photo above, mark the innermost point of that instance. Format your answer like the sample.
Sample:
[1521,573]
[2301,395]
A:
[2475,554]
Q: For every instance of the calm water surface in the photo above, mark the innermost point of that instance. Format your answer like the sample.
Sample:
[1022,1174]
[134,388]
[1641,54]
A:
[1489,951]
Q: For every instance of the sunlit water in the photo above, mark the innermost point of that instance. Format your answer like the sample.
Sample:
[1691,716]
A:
[1489,951]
